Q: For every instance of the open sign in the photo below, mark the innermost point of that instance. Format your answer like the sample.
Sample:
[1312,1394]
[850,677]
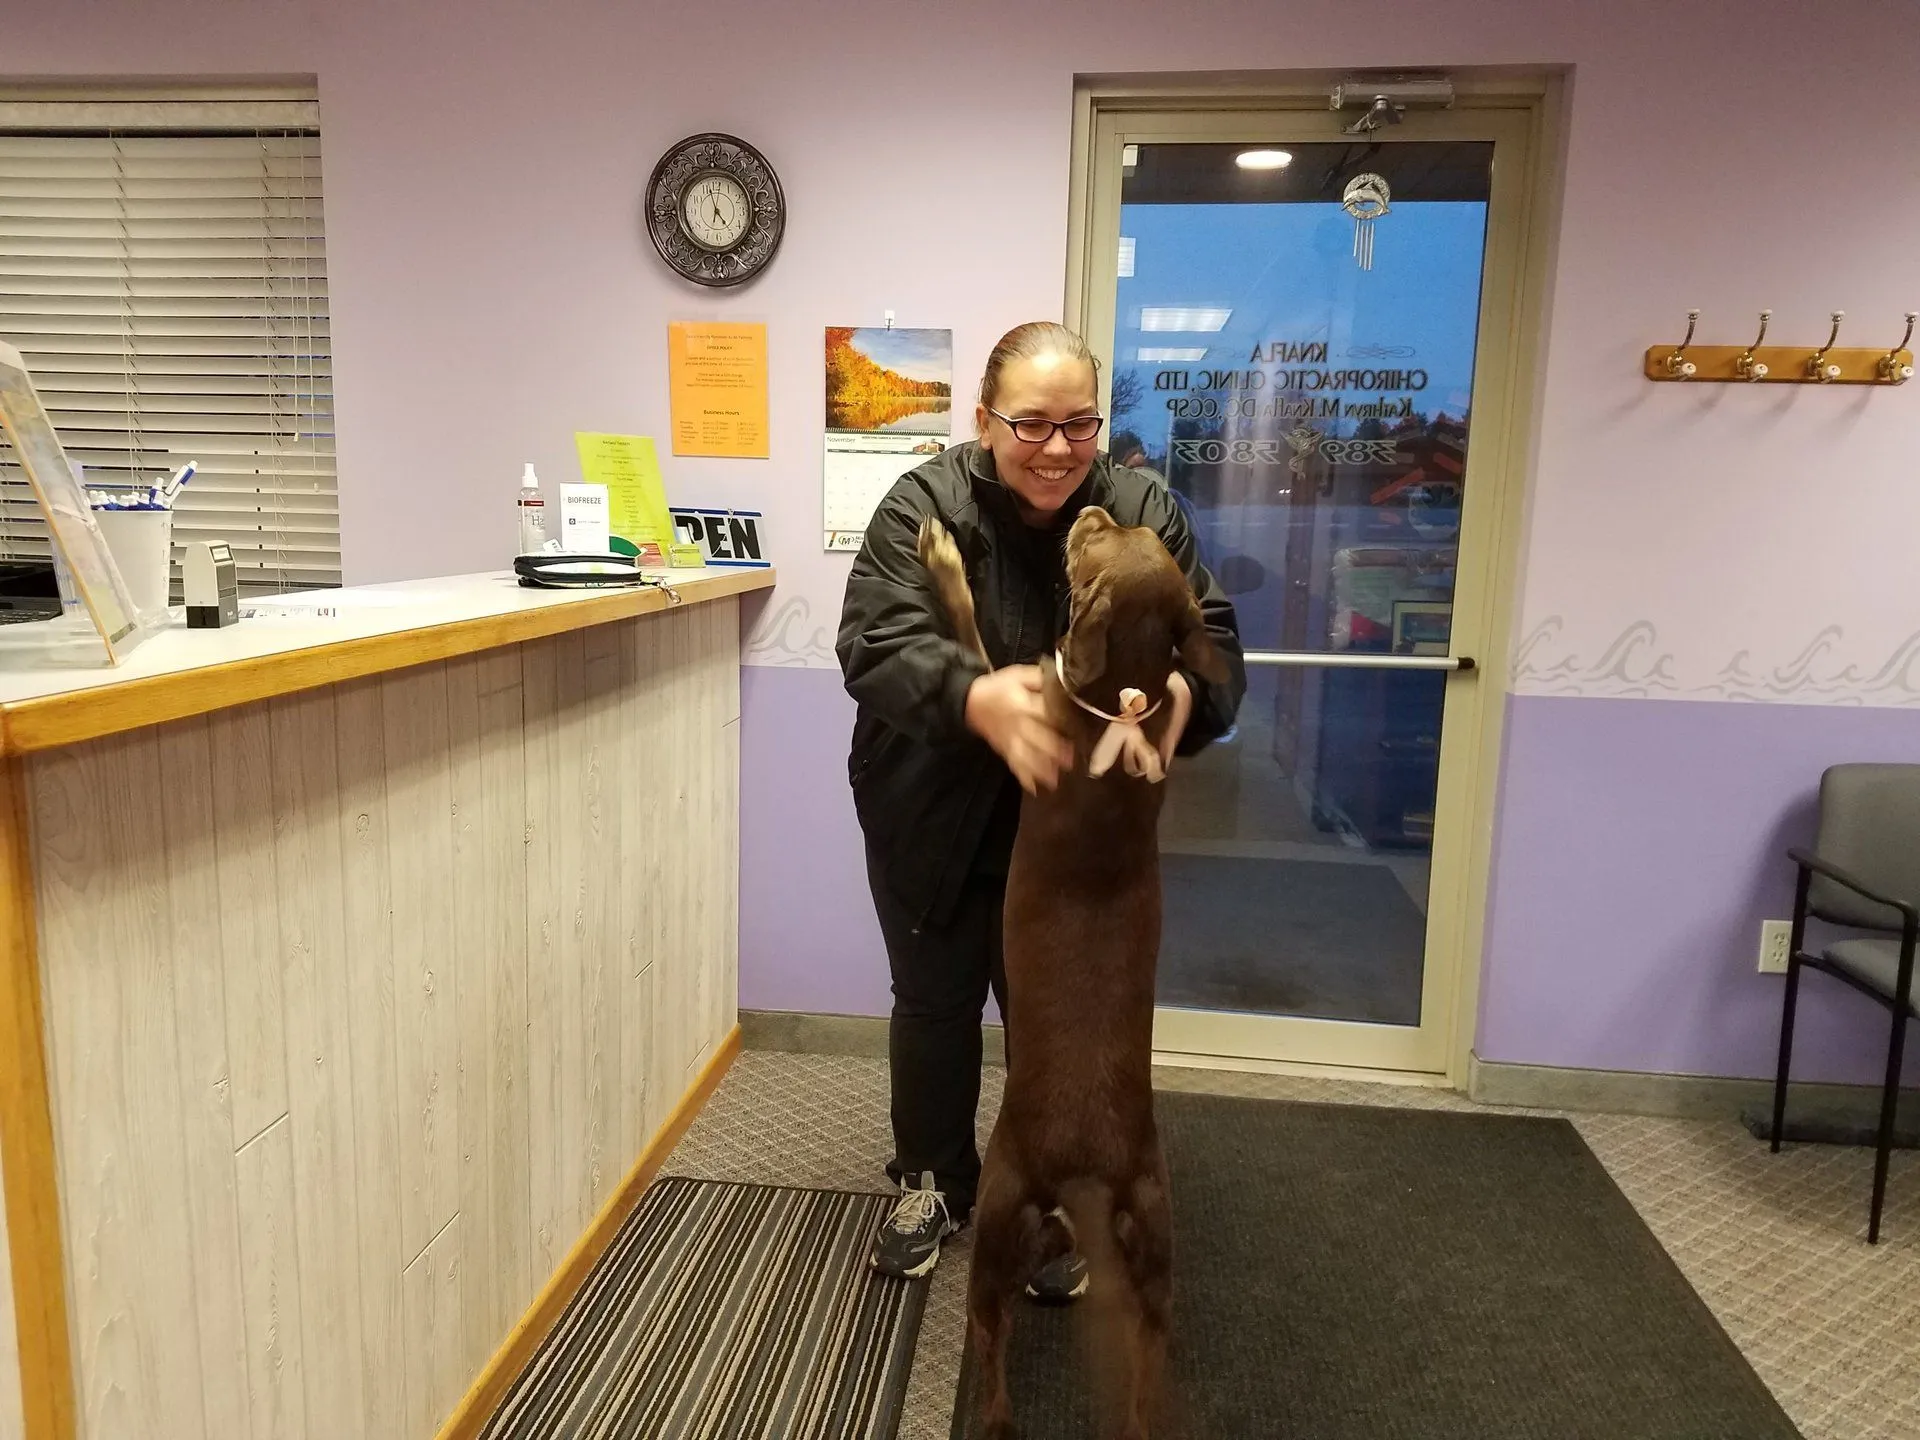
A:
[725,537]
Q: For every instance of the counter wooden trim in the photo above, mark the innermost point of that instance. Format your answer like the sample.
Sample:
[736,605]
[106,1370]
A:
[476,1407]
[26,1138]
[69,718]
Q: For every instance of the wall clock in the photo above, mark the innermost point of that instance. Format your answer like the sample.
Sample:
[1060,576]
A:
[714,210]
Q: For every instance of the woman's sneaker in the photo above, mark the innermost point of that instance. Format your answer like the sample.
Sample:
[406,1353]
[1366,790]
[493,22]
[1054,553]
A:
[908,1244]
[1061,1281]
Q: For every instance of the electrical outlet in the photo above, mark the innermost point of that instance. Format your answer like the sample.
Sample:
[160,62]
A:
[1776,939]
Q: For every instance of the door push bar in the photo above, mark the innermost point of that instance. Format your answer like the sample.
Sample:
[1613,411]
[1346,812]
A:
[1307,659]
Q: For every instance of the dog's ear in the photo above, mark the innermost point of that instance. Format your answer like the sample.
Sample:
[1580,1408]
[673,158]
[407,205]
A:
[1095,517]
[1196,647]
[1085,525]
[1087,635]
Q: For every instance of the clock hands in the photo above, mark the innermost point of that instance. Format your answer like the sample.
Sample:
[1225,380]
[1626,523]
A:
[716,209]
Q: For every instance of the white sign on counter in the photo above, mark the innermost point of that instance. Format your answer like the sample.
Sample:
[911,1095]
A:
[586,520]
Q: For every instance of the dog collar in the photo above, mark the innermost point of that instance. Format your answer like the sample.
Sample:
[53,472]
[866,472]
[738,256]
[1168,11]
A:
[1122,740]
[1133,703]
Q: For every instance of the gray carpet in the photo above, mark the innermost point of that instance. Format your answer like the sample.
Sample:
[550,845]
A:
[1357,1273]
[729,1312]
[1320,938]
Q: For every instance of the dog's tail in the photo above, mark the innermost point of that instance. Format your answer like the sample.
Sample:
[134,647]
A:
[1106,1320]
[947,573]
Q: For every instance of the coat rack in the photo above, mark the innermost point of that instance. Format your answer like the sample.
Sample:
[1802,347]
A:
[1782,364]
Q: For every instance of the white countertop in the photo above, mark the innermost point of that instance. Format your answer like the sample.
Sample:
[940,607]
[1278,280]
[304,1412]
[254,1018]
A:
[317,637]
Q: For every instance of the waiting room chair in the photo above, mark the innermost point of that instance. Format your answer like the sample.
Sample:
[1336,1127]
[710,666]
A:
[1864,874]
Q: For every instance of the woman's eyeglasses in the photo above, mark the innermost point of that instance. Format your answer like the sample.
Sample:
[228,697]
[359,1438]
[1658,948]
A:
[1035,430]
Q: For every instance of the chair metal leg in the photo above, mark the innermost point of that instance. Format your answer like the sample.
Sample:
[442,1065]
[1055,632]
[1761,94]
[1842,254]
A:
[1803,886]
[1786,1047]
[1889,1105]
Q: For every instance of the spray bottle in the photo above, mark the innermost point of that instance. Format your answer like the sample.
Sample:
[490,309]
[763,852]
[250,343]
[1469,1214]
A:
[533,513]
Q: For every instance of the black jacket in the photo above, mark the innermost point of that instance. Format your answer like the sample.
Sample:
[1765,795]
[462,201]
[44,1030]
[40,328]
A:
[924,786]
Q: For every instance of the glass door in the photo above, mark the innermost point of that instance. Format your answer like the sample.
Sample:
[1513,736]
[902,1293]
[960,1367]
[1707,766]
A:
[1296,324]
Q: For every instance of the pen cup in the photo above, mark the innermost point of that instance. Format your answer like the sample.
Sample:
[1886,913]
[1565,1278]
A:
[142,546]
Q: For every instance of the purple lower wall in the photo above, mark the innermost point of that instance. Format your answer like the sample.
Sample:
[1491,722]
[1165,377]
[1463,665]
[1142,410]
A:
[1638,848]
[808,940]
[1639,845]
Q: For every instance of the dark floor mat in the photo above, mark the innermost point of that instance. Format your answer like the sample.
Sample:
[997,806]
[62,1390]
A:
[1353,1273]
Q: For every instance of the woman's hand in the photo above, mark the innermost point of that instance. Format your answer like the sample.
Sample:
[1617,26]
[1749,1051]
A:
[1004,709]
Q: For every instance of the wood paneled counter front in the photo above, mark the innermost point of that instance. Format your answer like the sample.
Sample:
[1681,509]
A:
[358,966]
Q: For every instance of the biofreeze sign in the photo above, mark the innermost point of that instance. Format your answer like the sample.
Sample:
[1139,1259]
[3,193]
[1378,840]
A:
[725,537]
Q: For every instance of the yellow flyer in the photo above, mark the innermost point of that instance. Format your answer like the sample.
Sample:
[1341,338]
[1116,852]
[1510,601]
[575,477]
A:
[636,497]
[717,379]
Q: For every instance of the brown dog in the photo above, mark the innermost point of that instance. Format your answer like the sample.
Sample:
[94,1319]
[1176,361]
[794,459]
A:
[1074,1156]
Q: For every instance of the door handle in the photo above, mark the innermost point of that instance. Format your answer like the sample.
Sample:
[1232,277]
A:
[1351,660]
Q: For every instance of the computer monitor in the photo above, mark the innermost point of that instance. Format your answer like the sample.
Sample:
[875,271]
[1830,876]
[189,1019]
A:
[29,589]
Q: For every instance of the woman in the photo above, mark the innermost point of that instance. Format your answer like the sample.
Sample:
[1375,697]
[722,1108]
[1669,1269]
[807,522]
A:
[942,747]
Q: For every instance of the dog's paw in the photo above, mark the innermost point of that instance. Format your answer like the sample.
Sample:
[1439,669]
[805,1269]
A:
[947,574]
[1000,1430]
[936,547]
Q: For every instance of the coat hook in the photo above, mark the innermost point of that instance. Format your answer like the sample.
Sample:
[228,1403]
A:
[1678,366]
[1891,369]
[1817,366]
[1746,366]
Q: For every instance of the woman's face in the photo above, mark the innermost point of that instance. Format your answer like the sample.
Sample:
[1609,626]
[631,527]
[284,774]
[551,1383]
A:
[1042,475]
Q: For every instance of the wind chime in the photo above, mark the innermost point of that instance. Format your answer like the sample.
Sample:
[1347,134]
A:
[1366,200]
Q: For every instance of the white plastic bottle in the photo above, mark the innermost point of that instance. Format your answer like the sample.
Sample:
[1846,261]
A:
[533,513]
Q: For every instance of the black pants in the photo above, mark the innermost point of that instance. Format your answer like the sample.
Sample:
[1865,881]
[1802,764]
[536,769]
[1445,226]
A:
[941,977]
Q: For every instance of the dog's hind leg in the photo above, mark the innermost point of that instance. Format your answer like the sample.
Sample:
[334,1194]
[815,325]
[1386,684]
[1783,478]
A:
[1007,1234]
[947,573]
[1143,1234]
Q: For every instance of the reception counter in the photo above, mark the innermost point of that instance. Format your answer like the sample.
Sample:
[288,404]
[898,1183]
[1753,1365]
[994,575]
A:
[358,963]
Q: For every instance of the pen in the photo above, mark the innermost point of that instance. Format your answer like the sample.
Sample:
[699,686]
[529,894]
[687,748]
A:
[179,480]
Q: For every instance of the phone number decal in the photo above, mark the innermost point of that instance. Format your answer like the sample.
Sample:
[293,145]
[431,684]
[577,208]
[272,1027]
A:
[1272,452]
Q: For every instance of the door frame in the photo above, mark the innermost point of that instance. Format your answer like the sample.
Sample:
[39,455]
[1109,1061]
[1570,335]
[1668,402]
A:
[1528,113]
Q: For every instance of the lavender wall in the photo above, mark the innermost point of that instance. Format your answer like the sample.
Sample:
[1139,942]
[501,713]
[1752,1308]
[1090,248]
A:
[808,940]
[491,293]
[1640,845]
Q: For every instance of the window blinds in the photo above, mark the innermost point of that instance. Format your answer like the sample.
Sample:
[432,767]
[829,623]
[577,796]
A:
[167,286]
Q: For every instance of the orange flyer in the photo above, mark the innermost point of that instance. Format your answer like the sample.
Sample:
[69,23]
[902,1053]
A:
[717,377]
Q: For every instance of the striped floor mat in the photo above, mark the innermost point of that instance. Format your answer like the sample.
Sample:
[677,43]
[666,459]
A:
[727,1312]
